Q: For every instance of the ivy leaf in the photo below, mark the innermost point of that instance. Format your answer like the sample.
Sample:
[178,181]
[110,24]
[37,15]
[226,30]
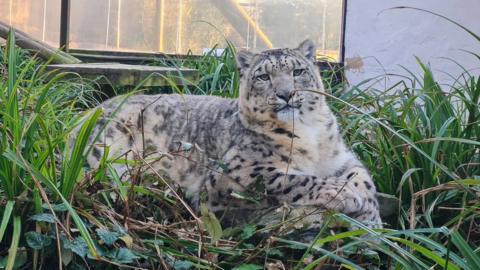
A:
[37,240]
[67,256]
[182,265]
[248,267]
[78,246]
[49,218]
[20,259]
[248,231]
[124,255]
[109,238]
[211,223]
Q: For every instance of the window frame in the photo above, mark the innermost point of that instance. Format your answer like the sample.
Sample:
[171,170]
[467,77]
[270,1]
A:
[143,56]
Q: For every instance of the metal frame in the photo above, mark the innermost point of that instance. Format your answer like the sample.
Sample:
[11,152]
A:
[64,25]
[342,33]
[65,33]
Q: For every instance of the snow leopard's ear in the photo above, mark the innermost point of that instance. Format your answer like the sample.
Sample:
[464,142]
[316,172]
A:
[307,49]
[244,59]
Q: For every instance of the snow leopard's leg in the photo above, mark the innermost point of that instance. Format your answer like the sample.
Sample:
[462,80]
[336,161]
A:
[352,193]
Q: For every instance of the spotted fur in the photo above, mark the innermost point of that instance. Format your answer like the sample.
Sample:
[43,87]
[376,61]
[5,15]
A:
[276,135]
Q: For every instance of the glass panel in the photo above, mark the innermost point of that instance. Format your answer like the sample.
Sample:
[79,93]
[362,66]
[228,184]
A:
[180,26]
[39,18]
[177,26]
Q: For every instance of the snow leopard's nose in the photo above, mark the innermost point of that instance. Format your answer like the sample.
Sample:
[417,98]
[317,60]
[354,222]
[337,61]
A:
[286,95]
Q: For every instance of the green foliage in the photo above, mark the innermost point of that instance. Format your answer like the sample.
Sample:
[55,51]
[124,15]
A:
[45,217]
[472,257]
[38,110]
[123,255]
[78,246]
[211,223]
[37,240]
[218,74]
[419,138]
[248,231]
[248,267]
[182,265]
[108,237]
[7,211]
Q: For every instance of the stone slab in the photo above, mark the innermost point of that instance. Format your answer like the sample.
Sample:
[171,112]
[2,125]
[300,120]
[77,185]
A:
[130,75]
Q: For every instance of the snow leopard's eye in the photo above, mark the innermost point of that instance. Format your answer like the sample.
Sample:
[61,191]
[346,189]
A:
[263,77]
[298,72]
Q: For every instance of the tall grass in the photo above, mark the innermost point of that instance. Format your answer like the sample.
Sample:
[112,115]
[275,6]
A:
[442,124]
[218,74]
[421,140]
[38,111]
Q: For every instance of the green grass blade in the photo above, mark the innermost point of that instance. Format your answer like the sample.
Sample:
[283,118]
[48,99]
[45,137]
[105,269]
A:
[12,251]
[12,61]
[326,253]
[425,252]
[118,182]
[471,257]
[383,239]
[7,212]
[73,168]
[339,236]
[417,234]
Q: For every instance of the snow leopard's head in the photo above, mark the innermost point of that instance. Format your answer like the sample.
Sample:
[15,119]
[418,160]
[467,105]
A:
[272,84]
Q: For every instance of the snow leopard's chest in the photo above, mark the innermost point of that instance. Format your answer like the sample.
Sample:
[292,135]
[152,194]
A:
[318,151]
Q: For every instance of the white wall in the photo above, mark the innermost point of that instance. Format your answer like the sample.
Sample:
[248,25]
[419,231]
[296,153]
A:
[378,41]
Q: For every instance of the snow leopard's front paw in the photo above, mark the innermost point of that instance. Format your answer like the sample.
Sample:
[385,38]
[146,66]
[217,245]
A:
[337,194]
[358,193]
[370,218]
[360,182]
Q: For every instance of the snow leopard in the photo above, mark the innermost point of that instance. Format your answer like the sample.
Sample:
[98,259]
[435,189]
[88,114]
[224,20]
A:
[279,140]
